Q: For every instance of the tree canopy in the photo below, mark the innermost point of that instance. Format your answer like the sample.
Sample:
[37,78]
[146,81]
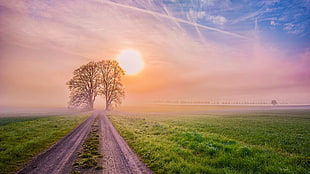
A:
[93,79]
[110,82]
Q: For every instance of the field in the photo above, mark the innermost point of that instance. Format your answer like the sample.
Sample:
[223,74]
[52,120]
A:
[242,140]
[23,137]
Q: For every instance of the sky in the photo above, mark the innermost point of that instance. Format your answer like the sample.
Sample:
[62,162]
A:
[201,50]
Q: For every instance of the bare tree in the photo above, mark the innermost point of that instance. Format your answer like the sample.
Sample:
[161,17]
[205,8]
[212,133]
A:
[110,82]
[274,102]
[84,86]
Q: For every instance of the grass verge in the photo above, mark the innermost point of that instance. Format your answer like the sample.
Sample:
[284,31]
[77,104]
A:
[88,156]
[21,140]
[229,143]
[9,120]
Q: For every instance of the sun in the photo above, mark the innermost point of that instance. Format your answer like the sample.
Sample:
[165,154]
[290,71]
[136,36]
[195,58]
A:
[130,60]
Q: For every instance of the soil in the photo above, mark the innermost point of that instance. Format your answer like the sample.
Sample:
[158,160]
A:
[59,157]
[118,158]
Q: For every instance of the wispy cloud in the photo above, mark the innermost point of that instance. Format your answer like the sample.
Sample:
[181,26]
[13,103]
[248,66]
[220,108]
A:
[220,20]
[174,18]
[193,15]
[293,28]
[193,47]
[252,16]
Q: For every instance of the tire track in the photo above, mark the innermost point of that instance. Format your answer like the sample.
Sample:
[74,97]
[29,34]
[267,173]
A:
[58,158]
[119,157]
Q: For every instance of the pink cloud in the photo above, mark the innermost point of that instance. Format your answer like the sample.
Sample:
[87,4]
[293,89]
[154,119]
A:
[48,41]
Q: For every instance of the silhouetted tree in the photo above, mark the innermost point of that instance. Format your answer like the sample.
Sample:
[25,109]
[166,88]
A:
[274,102]
[84,86]
[110,82]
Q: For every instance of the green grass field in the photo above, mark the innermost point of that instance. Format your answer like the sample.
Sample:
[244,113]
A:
[8,120]
[21,138]
[275,141]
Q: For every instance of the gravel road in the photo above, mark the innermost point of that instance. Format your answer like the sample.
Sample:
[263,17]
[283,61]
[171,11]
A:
[119,158]
[59,158]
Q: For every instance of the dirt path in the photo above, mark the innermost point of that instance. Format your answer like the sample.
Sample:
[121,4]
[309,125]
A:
[58,158]
[119,157]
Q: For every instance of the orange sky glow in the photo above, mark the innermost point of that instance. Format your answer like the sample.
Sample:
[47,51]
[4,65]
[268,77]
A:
[43,42]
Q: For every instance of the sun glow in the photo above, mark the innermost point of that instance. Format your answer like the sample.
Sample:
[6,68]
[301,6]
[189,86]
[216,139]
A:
[131,61]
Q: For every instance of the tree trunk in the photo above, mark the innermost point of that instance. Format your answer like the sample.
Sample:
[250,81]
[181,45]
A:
[107,105]
[91,103]
[91,106]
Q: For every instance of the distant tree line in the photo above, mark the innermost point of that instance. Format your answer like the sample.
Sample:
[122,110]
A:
[94,79]
[273,102]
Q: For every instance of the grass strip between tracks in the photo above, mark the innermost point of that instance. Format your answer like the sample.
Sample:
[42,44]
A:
[88,156]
